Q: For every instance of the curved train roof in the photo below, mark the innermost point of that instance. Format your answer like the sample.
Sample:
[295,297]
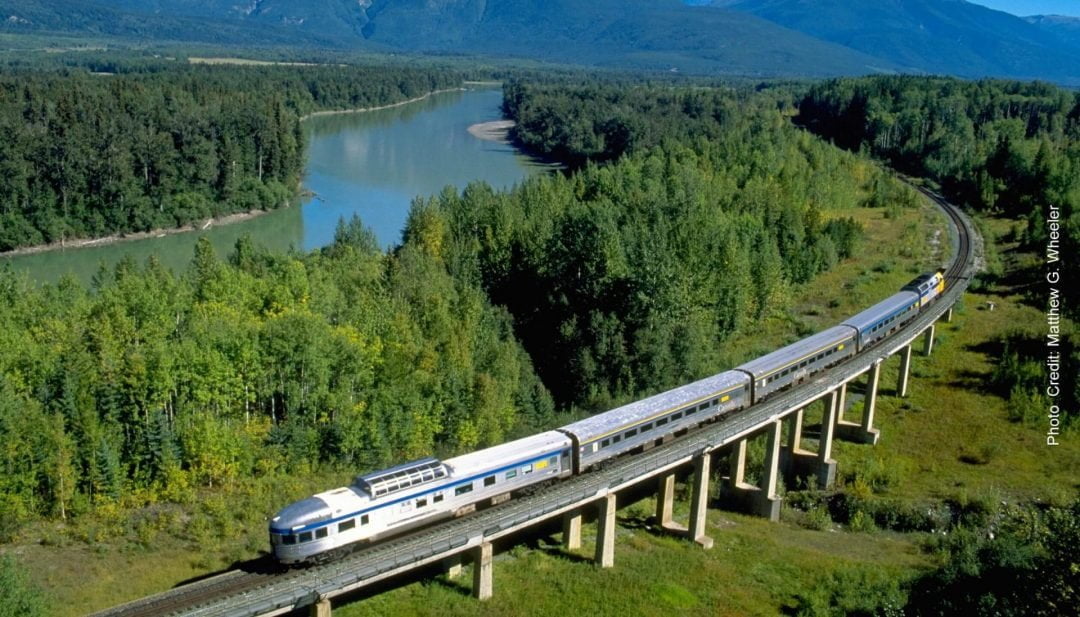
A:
[643,409]
[507,453]
[888,306]
[797,351]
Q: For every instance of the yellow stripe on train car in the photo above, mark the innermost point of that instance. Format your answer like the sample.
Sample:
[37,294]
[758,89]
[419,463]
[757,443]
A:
[540,465]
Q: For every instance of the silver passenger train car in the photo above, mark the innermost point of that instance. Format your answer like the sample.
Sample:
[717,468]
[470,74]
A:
[645,422]
[796,362]
[884,318]
[388,502]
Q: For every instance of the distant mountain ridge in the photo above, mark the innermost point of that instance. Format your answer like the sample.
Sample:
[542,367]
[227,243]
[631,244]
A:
[751,37]
[646,34]
[931,36]
[1065,28]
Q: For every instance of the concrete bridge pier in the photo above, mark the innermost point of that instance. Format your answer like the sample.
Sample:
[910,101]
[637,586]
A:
[758,500]
[792,450]
[948,315]
[572,530]
[929,341]
[803,464]
[605,532]
[905,371]
[665,502]
[826,466]
[321,608]
[699,502]
[482,571]
[863,432]
[453,566]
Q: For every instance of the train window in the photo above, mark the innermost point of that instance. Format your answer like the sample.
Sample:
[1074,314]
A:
[647,427]
[676,416]
[305,537]
[661,421]
[437,498]
[630,433]
[364,520]
[706,405]
[511,474]
[420,503]
[288,539]
[346,525]
[693,410]
[553,460]
[616,439]
[321,532]
[526,469]
[464,488]
[605,443]
[490,480]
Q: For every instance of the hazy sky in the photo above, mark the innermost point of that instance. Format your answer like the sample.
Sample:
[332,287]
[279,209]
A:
[1034,7]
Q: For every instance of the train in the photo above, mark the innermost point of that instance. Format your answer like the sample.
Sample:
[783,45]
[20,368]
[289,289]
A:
[388,502]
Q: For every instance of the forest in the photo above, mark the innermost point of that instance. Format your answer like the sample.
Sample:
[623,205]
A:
[1003,147]
[90,154]
[151,385]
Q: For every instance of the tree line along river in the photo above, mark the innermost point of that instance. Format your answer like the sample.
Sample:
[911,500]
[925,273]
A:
[372,164]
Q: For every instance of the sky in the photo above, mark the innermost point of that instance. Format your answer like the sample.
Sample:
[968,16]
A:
[1034,7]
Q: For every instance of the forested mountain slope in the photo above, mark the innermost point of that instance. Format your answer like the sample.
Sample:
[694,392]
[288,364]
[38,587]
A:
[930,36]
[650,34]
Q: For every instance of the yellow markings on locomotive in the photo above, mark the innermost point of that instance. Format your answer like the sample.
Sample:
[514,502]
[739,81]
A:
[840,348]
[724,399]
[540,465]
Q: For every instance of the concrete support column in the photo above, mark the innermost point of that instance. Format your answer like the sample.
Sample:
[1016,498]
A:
[738,464]
[929,341]
[665,498]
[826,466]
[864,432]
[571,533]
[871,399]
[605,532]
[794,439]
[905,371]
[948,315]
[699,502]
[482,570]
[768,504]
[453,566]
[321,608]
[841,403]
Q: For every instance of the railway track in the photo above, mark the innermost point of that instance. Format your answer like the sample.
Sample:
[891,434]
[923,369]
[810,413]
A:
[263,574]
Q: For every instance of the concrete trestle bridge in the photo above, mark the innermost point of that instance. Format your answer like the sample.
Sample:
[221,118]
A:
[265,593]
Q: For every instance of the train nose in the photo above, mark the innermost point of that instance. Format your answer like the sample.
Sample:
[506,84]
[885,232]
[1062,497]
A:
[304,512]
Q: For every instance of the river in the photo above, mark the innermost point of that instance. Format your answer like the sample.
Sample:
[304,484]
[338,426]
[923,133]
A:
[372,164]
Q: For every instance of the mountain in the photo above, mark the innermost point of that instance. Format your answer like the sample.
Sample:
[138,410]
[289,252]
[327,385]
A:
[933,36]
[749,37]
[650,34]
[1065,28]
[111,19]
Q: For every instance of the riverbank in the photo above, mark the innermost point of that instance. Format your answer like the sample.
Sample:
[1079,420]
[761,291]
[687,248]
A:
[228,219]
[206,224]
[496,130]
[356,110]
